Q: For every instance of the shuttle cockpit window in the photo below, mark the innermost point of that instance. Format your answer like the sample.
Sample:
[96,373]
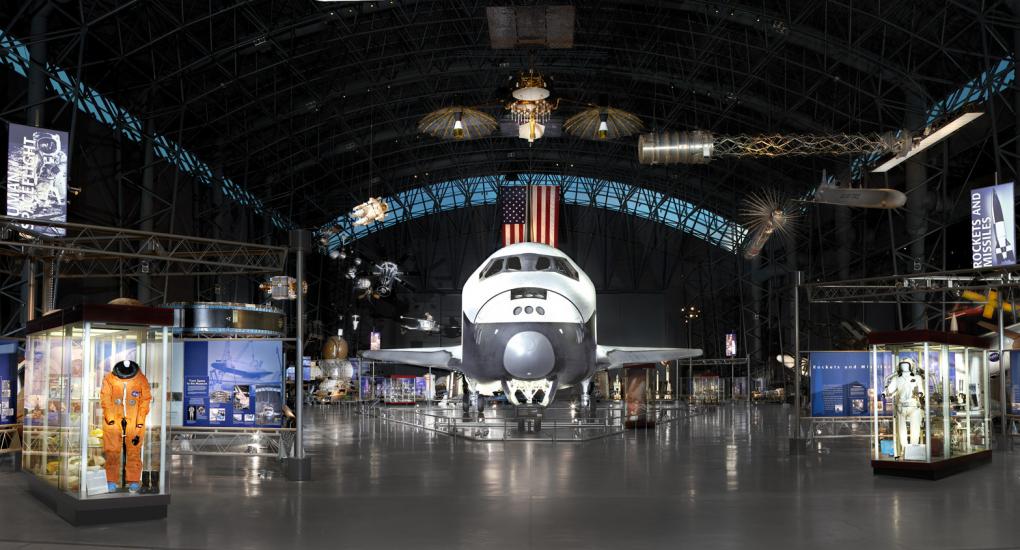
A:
[494,267]
[529,262]
[564,267]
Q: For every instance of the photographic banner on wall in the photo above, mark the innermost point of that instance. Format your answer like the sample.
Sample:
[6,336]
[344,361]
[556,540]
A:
[233,383]
[841,382]
[731,344]
[8,382]
[992,231]
[37,176]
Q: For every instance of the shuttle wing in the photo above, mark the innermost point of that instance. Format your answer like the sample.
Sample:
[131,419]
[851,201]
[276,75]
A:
[612,357]
[448,357]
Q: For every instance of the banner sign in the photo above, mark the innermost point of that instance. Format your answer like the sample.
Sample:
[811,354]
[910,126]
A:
[233,383]
[8,382]
[992,233]
[37,176]
[841,382]
[731,344]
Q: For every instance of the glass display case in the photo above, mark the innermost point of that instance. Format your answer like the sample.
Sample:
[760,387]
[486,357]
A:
[930,403]
[95,412]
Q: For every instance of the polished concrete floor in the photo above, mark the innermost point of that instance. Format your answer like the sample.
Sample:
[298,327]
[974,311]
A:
[719,480]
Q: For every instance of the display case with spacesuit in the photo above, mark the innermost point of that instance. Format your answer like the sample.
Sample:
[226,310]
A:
[95,411]
[929,394]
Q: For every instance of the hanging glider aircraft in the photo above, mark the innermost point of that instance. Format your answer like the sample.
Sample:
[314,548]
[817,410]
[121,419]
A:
[529,330]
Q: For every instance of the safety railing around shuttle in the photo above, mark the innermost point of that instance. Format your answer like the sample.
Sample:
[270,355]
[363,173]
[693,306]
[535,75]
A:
[260,442]
[838,427]
[556,425]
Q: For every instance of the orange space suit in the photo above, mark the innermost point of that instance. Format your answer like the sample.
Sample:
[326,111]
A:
[124,399]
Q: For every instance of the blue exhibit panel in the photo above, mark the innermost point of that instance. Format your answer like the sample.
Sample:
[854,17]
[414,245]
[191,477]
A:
[840,381]
[233,383]
[8,382]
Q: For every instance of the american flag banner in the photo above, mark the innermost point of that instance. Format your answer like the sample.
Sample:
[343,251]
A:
[513,205]
[544,214]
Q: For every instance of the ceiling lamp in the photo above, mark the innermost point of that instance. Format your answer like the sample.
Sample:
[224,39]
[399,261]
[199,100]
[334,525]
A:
[457,123]
[603,123]
[531,107]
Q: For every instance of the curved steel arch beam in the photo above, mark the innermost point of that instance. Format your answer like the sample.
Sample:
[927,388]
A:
[717,189]
[805,37]
[588,192]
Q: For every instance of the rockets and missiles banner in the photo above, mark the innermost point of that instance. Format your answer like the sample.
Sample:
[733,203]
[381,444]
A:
[992,230]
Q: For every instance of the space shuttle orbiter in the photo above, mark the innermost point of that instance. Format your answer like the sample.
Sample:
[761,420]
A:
[529,329]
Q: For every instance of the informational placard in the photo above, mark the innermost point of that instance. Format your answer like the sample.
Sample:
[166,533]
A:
[375,341]
[992,233]
[731,344]
[8,382]
[840,382]
[37,176]
[233,383]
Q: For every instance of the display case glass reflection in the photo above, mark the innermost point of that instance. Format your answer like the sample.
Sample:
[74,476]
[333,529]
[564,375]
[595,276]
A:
[931,403]
[95,408]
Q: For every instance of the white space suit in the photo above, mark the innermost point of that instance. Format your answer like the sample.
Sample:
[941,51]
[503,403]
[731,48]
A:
[906,387]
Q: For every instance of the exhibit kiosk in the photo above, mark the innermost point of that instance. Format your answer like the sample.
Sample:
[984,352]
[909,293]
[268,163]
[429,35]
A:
[930,403]
[95,412]
[639,404]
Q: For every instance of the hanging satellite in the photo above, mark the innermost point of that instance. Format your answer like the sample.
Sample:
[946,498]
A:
[282,287]
[428,324]
[603,123]
[529,111]
[388,273]
[765,214]
[372,210]
[364,287]
[531,107]
[457,123]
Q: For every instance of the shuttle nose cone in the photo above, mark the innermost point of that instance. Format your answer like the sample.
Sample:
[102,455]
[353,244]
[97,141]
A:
[529,356]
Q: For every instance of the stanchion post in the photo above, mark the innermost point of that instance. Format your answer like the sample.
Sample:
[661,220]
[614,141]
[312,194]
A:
[796,443]
[1003,380]
[299,466]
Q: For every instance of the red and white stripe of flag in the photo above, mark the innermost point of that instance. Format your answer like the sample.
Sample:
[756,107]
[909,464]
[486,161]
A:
[544,214]
[513,233]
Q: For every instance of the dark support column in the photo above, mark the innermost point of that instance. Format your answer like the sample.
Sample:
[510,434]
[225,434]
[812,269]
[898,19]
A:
[845,237]
[299,466]
[145,206]
[755,346]
[34,116]
[797,445]
[916,174]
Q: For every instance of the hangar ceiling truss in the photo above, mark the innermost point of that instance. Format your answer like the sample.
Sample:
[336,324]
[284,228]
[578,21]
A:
[578,191]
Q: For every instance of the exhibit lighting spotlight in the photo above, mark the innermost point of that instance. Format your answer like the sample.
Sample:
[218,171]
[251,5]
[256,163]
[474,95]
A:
[458,126]
[929,140]
[603,132]
[334,254]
